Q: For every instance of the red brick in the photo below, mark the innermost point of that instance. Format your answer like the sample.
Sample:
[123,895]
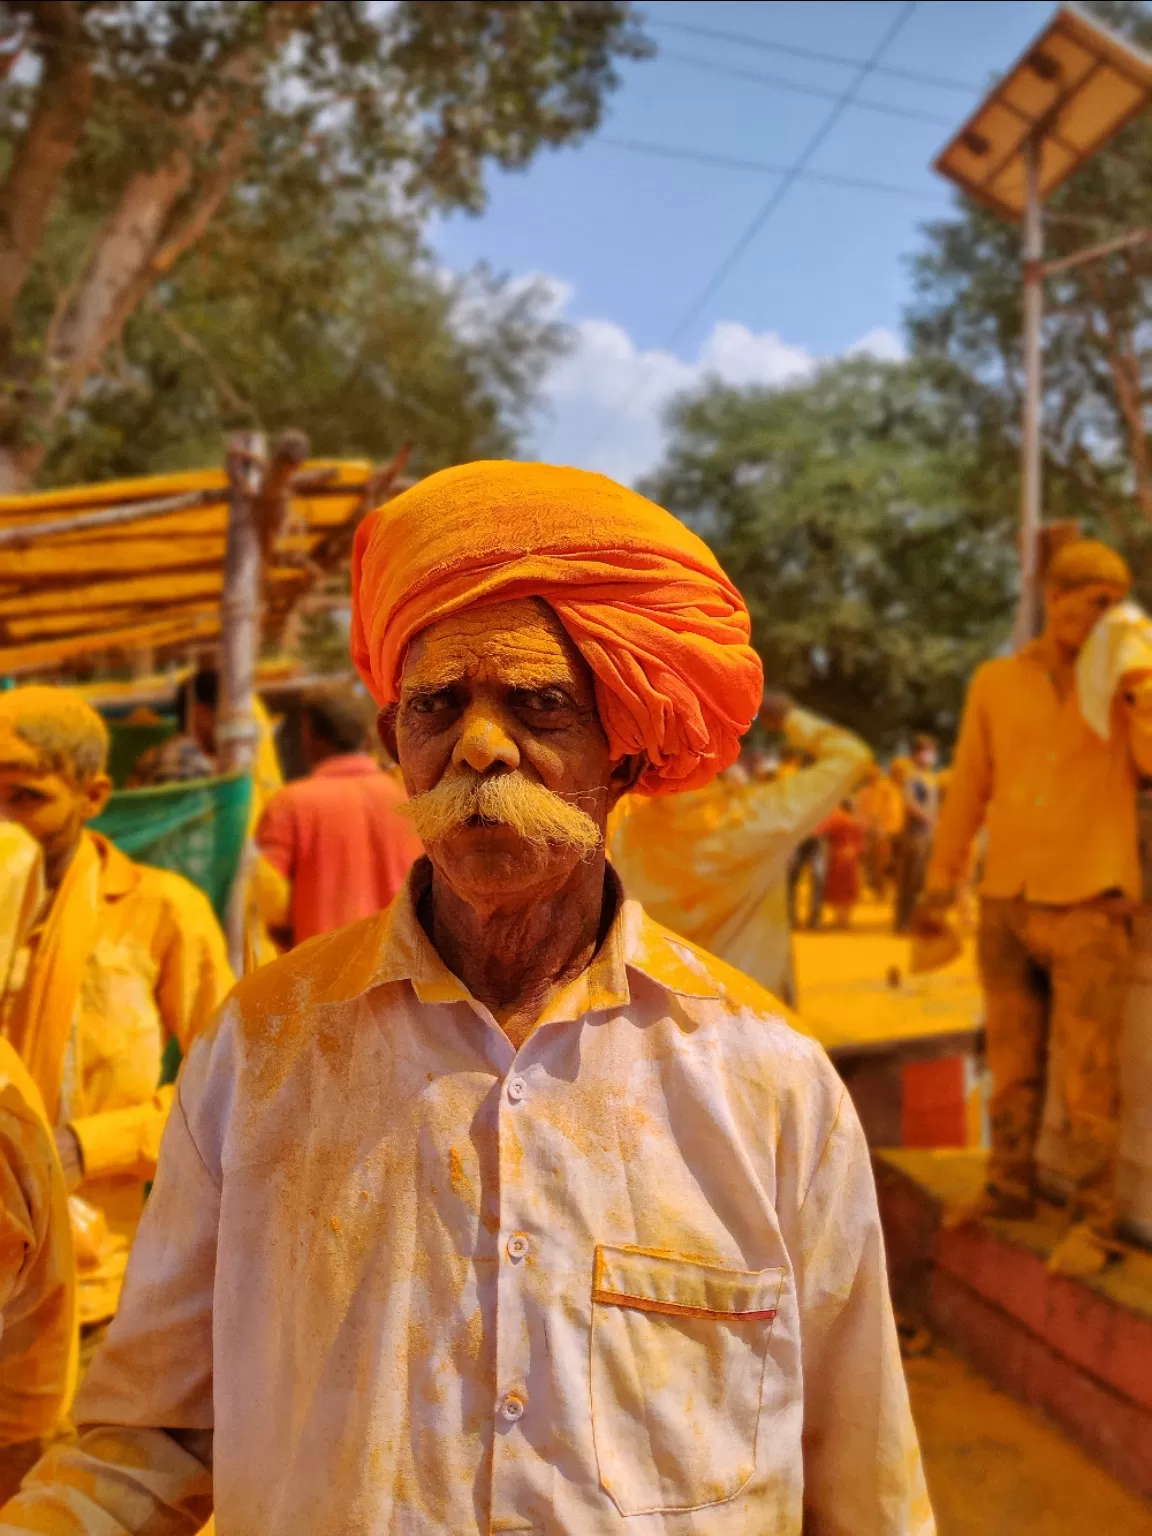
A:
[994,1343]
[1008,1277]
[1106,1425]
[1130,1366]
[934,1107]
[1080,1325]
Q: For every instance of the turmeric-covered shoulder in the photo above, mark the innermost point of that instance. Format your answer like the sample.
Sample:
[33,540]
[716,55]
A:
[335,967]
[995,678]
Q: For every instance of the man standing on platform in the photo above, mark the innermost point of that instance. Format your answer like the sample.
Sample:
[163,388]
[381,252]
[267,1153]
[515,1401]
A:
[1060,874]
[337,835]
[506,1209]
[120,959]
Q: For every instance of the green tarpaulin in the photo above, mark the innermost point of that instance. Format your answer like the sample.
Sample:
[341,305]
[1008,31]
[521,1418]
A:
[197,829]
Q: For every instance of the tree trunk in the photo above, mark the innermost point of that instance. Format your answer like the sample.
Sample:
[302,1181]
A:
[1129,395]
[160,214]
[59,116]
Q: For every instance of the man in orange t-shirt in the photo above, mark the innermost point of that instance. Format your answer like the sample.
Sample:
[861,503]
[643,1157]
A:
[337,835]
[1061,873]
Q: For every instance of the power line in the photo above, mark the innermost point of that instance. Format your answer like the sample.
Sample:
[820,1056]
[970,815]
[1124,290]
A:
[731,162]
[745,39]
[794,171]
[781,83]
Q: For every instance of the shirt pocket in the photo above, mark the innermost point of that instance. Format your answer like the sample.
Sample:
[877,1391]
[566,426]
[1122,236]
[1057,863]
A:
[677,1370]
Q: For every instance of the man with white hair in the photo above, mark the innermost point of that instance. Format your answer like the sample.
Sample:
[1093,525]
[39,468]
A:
[507,1210]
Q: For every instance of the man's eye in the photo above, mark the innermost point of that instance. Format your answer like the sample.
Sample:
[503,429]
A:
[546,701]
[429,703]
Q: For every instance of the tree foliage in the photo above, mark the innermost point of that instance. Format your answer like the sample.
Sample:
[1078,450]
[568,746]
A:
[853,512]
[136,133]
[368,346]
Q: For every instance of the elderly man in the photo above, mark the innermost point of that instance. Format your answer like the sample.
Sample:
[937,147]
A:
[506,1210]
[121,959]
[1060,874]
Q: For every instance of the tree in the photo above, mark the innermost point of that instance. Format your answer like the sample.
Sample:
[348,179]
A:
[133,129]
[369,346]
[965,325]
[855,513]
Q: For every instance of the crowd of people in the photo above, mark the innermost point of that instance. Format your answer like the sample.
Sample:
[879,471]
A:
[874,845]
[506,1196]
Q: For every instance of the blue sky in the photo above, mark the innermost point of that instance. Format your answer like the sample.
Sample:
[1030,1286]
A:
[628,241]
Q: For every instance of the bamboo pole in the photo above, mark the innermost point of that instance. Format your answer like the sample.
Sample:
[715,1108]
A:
[258,495]
[239,641]
[32,532]
[240,604]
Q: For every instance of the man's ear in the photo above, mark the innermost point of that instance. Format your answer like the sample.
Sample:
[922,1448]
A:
[386,730]
[95,792]
[623,776]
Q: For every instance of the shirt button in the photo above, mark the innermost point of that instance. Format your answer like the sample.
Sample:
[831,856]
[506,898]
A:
[517,1246]
[511,1407]
[517,1088]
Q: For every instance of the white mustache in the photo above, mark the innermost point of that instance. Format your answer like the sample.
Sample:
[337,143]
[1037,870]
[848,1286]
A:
[507,799]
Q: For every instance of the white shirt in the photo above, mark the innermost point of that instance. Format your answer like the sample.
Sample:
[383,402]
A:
[627,1278]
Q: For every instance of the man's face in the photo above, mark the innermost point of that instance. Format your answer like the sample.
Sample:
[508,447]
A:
[926,757]
[1073,615]
[495,692]
[52,807]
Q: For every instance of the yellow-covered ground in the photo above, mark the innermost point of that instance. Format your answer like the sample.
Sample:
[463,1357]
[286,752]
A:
[854,986]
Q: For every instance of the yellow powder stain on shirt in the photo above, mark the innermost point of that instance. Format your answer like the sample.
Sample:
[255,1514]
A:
[459,1180]
[334,1223]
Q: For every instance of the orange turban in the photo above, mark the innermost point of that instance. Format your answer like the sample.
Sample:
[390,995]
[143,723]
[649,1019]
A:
[663,630]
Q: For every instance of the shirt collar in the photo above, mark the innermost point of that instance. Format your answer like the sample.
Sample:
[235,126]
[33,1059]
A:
[346,765]
[396,948]
[118,873]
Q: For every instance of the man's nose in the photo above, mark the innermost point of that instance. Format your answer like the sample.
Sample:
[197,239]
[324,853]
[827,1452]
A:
[483,742]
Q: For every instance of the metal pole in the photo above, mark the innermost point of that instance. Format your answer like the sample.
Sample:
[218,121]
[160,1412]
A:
[1030,460]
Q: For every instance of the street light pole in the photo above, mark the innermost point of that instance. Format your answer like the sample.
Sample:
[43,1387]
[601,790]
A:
[1031,485]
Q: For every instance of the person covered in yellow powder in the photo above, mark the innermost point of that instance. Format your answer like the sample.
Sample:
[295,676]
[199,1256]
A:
[880,805]
[1061,872]
[121,958]
[918,784]
[506,1209]
[713,864]
[37,1271]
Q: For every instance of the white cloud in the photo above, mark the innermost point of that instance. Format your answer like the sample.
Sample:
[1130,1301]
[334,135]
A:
[880,343]
[605,399]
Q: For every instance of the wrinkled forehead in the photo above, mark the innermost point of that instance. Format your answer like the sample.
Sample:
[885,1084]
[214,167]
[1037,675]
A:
[520,644]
